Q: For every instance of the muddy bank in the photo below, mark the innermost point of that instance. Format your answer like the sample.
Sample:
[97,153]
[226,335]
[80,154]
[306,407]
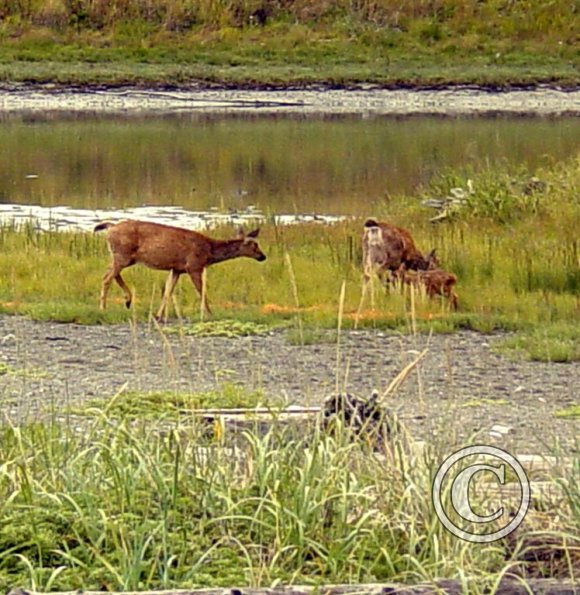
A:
[461,385]
[459,101]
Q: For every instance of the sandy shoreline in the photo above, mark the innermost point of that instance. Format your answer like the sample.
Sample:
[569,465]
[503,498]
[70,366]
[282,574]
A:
[365,101]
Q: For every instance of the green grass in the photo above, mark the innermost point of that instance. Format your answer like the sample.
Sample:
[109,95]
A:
[310,336]
[516,258]
[220,328]
[170,405]
[174,42]
[572,412]
[138,506]
[554,343]
[7,370]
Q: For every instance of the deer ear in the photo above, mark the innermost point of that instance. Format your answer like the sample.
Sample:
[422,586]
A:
[241,234]
[254,234]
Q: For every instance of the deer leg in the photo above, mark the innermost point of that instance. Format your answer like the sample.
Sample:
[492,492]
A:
[121,283]
[454,301]
[107,280]
[114,273]
[197,278]
[167,293]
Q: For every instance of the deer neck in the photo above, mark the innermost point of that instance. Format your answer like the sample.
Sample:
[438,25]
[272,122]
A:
[222,250]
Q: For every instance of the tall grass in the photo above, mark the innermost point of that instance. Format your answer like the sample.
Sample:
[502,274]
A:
[427,20]
[131,506]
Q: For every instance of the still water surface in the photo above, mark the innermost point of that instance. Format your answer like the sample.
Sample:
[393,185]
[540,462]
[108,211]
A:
[281,164]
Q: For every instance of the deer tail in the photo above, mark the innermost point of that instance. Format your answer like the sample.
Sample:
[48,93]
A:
[101,226]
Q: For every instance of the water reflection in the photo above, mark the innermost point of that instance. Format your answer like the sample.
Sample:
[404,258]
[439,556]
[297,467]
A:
[280,164]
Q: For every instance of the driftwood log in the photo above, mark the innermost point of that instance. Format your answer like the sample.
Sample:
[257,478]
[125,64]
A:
[506,586]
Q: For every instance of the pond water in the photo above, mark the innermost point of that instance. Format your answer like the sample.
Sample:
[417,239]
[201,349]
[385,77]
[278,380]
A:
[276,163]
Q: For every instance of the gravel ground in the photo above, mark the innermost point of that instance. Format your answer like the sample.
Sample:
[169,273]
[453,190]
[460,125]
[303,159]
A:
[22,98]
[461,385]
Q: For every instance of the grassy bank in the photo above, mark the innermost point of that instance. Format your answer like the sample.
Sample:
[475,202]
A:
[513,246]
[129,505]
[254,42]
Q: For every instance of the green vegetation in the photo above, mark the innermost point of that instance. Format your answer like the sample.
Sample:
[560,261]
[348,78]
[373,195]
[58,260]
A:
[171,405]
[6,370]
[278,42]
[554,343]
[310,336]
[572,412]
[220,328]
[138,505]
[480,402]
[515,253]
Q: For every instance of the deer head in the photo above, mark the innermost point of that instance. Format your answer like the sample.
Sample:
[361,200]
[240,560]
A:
[249,247]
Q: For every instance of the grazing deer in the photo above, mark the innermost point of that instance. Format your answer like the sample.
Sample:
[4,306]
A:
[171,249]
[386,248]
[435,282]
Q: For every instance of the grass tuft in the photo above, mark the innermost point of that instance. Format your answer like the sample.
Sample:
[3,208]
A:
[221,328]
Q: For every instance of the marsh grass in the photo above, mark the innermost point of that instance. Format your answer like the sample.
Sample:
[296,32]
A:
[516,273]
[118,505]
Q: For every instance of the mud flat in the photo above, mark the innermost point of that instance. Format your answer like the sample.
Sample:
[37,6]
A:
[21,98]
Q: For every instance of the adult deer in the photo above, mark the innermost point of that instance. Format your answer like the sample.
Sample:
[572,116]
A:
[171,249]
[387,247]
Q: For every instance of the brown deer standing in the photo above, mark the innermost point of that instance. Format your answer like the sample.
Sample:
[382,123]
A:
[435,282]
[387,247]
[171,249]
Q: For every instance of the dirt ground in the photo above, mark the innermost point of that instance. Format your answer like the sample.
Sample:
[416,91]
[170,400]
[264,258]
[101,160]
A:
[462,387]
